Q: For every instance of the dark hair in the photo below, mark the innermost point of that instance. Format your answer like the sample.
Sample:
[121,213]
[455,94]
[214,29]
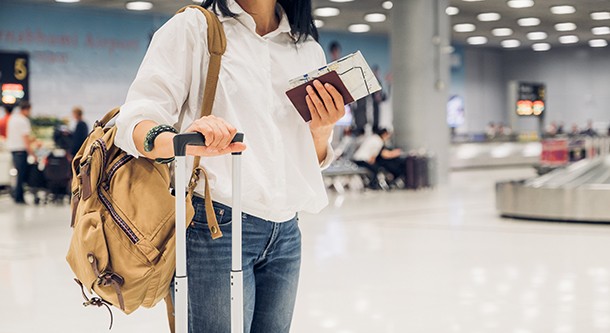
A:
[25,105]
[298,12]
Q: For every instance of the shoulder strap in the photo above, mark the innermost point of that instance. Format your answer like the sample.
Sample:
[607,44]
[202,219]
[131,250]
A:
[217,44]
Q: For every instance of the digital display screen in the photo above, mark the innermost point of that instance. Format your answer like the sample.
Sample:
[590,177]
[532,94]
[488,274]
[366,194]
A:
[531,99]
[14,78]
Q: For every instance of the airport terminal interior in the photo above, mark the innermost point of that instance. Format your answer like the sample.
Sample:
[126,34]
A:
[484,208]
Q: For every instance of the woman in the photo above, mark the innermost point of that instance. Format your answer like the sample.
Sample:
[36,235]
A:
[268,43]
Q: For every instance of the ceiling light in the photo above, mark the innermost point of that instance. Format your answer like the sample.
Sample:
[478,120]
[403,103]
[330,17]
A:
[537,35]
[562,10]
[597,31]
[375,17]
[598,16]
[502,32]
[566,26]
[598,43]
[528,21]
[67,1]
[488,17]
[477,40]
[568,39]
[464,27]
[452,11]
[510,43]
[359,28]
[327,11]
[540,47]
[387,5]
[318,23]
[139,5]
[520,3]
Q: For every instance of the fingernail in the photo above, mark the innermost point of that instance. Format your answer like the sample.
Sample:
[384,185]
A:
[309,89]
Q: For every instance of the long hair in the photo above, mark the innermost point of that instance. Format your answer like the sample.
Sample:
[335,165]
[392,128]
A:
[298,12]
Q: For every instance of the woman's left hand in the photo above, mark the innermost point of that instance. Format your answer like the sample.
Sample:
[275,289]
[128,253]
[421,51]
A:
[325,105]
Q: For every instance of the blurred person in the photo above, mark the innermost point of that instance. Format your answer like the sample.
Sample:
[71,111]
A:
[491,130]
[373,154]
[19,142]
[589,130]
[284,154]
[4,121]
[560,128]
[81,130]
[574,131]
[335,50]
[378,97]
[551,130]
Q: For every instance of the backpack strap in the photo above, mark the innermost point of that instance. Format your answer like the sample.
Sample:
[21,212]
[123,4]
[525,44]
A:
[107,118]
[217,44]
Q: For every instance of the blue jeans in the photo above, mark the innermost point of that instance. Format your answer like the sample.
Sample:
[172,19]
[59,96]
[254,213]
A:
[271,263]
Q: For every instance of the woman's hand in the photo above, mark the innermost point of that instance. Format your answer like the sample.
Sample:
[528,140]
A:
[326,106]
[218,135]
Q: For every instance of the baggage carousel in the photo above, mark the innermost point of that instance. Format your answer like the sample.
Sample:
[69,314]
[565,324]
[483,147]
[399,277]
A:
[579,192]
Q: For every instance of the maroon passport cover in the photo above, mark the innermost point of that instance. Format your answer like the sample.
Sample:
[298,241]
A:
[297,94]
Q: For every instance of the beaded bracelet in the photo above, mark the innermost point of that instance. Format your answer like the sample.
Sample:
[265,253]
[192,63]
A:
[149,141]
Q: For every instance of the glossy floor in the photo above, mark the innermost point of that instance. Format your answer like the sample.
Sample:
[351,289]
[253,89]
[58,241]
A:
[436,261]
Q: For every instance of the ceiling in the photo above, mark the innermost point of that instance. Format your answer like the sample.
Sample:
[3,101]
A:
[354,11]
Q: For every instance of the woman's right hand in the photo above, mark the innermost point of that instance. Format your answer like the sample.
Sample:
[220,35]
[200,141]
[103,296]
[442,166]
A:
[218,135]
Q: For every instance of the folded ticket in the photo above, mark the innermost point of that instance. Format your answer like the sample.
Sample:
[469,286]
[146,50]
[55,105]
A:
[351,75]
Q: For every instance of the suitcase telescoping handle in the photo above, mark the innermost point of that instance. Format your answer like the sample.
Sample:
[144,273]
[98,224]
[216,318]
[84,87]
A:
[181,141]
[195,139]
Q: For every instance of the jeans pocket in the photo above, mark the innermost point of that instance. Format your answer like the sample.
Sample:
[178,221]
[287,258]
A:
[222,213]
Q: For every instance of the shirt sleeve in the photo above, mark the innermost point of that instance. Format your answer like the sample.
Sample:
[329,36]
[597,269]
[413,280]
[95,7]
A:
[163,81]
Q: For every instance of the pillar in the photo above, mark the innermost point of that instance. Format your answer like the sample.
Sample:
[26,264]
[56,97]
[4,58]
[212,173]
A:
[420,41]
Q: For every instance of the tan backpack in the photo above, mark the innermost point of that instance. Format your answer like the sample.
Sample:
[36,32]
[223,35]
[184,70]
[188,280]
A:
[123,243]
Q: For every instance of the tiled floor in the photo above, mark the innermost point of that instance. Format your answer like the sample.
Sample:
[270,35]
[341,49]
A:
[437,261]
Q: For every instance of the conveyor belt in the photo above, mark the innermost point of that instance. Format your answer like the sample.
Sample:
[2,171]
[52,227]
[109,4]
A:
[580,192]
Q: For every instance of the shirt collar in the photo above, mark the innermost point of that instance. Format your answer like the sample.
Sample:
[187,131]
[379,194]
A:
[242,16]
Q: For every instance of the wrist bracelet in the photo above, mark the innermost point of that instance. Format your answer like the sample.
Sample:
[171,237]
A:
[149,140]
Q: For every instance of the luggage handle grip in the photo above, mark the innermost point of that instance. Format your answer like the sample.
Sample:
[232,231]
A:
[195,139]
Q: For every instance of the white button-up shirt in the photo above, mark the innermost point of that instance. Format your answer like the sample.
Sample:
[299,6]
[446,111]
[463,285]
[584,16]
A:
[281,173]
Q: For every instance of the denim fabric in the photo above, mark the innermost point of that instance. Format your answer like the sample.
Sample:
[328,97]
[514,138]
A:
[20,161]
[271,263]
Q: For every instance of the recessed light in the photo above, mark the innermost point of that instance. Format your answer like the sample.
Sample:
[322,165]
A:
[464,27]
[359,28]
[67,1]
[562,10]
[528,21]
[375,17]
[326,11]
[488,17]
[452,11]
[387,5]
[568,39]
[566,26]
[318,23]
[598,31]
[598,16]
[502,32]
[510,43]
[477,40]
[537,35]
[139,5]
[520,3]
[541,47]
[598,43]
